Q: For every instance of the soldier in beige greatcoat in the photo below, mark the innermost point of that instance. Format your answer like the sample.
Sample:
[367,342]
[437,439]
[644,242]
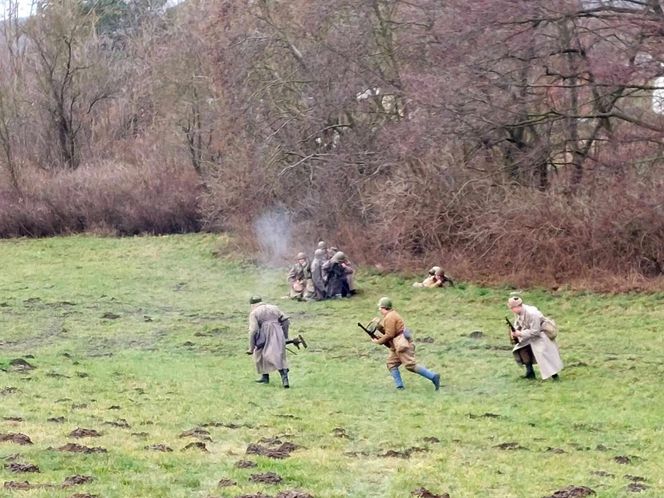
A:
[268,332]
[534,345]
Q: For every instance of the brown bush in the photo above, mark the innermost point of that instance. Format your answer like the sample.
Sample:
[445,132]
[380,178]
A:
[112,198]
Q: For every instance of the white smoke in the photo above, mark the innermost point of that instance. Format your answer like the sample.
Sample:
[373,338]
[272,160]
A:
[274,231]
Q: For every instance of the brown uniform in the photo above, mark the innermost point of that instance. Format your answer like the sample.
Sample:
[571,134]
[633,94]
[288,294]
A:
[402,350]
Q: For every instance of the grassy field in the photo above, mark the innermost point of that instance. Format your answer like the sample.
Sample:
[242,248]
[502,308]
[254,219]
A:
[143,339]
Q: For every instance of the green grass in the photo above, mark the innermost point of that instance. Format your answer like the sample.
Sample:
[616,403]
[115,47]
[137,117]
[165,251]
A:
[174,359]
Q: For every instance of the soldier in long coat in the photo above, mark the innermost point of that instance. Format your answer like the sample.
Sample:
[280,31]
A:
[317,274]
[402,350]
[268,332]
[533,344]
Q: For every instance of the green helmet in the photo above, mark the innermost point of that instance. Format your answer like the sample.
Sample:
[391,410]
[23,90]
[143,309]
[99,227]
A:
[322,245]
[255,299]
[385,302]
[435,270]
[301,255]
[339,257]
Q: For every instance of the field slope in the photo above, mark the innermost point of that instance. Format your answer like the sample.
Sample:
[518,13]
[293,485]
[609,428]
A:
[140,341]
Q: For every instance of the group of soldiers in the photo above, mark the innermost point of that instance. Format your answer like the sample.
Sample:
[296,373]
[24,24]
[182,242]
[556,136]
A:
[328,275]
[532,333]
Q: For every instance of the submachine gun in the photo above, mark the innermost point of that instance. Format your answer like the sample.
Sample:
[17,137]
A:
[371,330]
[297,342]
[512,329]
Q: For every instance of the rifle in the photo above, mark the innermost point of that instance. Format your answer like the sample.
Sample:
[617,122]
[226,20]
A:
[297,341]
[372,333]
[512,329]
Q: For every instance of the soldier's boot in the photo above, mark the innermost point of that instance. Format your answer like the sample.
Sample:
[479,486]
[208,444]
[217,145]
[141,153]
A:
[265,379]
[428,374]
[396,375]
[284,378]
[555,377]
[530,373]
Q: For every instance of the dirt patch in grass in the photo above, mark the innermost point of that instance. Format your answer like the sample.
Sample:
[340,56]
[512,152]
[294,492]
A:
[557,451]
[635,478]
[56,420]
[19,468]
[110,316]
[431,440]
[425,493]
[83,495]
[197,432]
[159,447]
[476,334]
[20,365]
[77,480]
[196,445]
[227,425]
[245,464]
[226,483]
[122,423]
[266,478]
[294,493]
[16,438]
[636,487]
[12,419]
[279,450]
[622,459]
[77,448]
[340,432]
[602,473]
[114,407]
[572,492]
[407,453]
[425,340]
[257,495]
[80,432]
[484,415]
[510,446]
[8,390]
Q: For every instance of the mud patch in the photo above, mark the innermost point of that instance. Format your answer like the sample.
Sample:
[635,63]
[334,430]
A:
[20,468]
[431,440]
[80,432]
[266,478]
[636,487]
[257,495]
[407,453]
[122,423]
[56,375]
[622,459]
[16,438]
[114,407]
[227,425]
[244,464]
[110,316]
[77,448]
[198,433]
[602,473]
[426,340]
[12,419]
[20,365]
[510,446]
[425,493]
[56,420]
[601,447]
[635,478]
[340,432]
[226,483]
[557,451]
[484,415]
[476,334]
[159,447]
[196,445]
[572,492]
[294,493]
[83,495]
[77,480]
[8,390]
[281,451]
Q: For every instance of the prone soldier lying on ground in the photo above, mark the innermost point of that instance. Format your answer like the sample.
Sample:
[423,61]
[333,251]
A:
[436,278]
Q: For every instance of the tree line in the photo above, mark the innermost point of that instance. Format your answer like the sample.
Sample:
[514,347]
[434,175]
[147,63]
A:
[515,140]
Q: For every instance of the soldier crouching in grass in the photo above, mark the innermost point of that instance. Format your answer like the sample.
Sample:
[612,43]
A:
[533,346]
[268,332]
[402,350]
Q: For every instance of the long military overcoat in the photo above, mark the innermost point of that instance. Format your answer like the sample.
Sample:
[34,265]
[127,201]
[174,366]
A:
[546,352]
[268,331]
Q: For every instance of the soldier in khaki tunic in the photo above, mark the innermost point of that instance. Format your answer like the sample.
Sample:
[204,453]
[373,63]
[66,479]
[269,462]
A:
[533,346]
[299,278]
[268,332]
[436,278]
[400,342]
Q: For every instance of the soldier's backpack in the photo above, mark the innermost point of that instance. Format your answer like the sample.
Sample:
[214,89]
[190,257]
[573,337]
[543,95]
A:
[550,328]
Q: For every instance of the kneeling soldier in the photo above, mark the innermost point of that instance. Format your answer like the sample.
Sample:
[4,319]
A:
[402,349]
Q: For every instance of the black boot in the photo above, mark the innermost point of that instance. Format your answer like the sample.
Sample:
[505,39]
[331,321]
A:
[555,377]
[265,379]
[530,373]
[284,377]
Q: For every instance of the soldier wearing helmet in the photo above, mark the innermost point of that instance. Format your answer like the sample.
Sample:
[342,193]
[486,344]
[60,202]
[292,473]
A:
[299,278]
[436,278]
[336,272]
[400,341]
